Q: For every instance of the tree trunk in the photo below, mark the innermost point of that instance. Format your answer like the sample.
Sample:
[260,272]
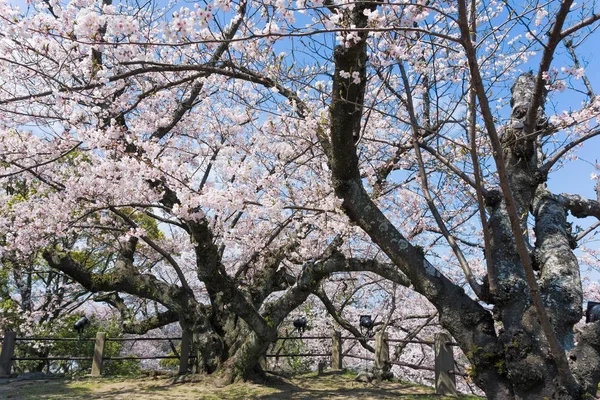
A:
[206,344]
[244,363]
[517,362]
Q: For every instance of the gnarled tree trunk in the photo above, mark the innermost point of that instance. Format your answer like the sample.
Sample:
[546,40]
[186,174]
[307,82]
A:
[516,363]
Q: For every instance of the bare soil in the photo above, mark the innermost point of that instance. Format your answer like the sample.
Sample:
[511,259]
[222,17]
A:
[305,387]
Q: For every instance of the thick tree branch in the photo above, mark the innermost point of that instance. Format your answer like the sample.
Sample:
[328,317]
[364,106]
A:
[560,281]
[153,322]
[579,207]
[125,280]
[130,325]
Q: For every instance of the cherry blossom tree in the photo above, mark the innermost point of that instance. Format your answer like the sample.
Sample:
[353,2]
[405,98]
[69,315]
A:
[537,311]
[163,206]
[279,146]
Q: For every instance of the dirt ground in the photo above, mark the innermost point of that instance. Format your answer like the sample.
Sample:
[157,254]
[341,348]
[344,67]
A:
[306,387]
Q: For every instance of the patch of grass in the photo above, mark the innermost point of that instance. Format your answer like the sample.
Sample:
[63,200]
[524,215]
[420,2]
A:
[241,391]
[336,385]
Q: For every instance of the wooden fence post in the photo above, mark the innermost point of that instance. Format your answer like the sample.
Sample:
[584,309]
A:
[445,383]
[336,350]
[98,354]
[321,367]
[8,351]
[382,350]
[185,352]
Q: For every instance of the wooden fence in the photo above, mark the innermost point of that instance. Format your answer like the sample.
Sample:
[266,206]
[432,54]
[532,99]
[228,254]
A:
[444,368]
[9,342]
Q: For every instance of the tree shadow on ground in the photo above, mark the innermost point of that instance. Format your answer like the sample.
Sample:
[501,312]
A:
[336,385]
[46,389]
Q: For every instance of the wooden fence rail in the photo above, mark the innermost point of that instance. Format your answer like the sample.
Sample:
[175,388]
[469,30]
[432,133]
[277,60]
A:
[9,341]
[445,373]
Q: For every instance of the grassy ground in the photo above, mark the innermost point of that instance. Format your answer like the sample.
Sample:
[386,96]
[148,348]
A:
[305,387]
